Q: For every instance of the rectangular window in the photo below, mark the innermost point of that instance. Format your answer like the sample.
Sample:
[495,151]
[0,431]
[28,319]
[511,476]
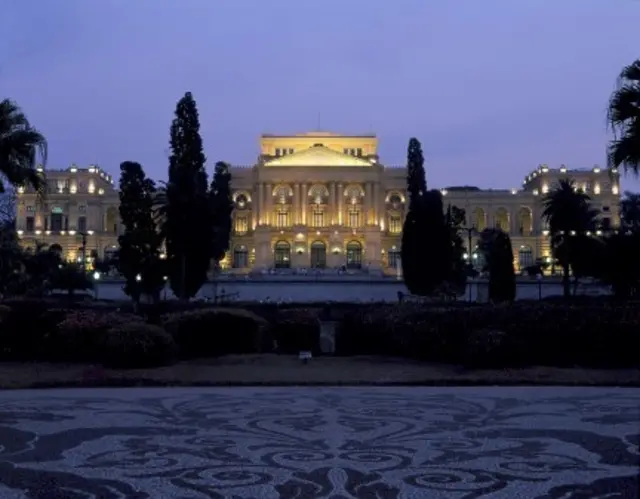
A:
[31,224]
[358,152]
[241,225]
[291,151]
[282,219]
[62,185]
[57,222]
[278,151]
[395,225]
[354,218]
[345,151]
[317,219]
[82,224]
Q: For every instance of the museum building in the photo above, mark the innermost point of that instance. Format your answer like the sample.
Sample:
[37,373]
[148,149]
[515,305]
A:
[313,200]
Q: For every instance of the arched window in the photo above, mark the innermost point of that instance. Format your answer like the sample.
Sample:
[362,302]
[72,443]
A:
[283,194]
[318,255]
[525,257]
[241,201]
[111,220]
[394,258]
[525,221]
[240,257]
[110,252]
[479,219]
[395,201]
[501,220]
[354,255]
[282,255]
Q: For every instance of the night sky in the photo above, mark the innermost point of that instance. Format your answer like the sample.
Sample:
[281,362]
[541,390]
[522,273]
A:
[492,88]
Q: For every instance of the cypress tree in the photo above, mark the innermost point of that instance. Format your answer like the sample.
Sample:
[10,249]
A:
[416,176]
[413,245]
[221,204]
[187,226]
[496,246]
[139,255]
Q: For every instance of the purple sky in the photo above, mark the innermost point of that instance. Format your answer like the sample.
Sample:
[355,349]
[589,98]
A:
[492,88]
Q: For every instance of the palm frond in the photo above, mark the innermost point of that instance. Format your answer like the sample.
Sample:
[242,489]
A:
[20,147]
[623,119]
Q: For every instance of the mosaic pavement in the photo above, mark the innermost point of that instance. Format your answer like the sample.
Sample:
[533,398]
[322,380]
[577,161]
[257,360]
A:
[303,443]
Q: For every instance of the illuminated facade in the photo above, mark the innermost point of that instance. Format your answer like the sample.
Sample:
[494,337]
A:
[81,205]
[315,200]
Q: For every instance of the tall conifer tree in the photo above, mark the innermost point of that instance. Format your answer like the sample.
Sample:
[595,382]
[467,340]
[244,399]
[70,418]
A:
[187,225]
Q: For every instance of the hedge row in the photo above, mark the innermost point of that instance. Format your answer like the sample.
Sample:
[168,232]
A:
[596,334]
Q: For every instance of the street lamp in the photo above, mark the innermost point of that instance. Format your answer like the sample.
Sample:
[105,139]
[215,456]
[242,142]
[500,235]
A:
[96,277]
[84,250]
[470,232]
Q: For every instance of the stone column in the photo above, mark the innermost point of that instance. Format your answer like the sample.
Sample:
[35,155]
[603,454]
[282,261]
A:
[368,203]
[340,205]
[258,207]
[303,207]
[296,204]
[268,216]
[332,203]
[376,204]
[513,223]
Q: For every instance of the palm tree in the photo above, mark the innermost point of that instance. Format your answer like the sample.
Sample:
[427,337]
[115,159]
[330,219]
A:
[623,117]
[630,211]
[570,218]
[20,144]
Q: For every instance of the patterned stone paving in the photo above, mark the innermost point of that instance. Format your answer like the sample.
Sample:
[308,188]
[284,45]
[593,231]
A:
[552,443]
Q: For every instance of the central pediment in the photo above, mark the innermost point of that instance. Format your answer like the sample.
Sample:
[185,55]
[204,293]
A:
[318,155]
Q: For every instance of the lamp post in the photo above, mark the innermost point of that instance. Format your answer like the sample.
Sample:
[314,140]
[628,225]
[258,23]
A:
[470,231]
[469,256]
[539,278]
[84,250]
[96,278]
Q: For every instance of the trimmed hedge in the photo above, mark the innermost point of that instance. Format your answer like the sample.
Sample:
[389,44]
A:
[137,345]
[297,329]
[82,334]
[217,331]
[597,333]
[516,335]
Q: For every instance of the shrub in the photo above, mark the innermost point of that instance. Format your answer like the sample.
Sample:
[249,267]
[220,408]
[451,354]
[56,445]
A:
[136,345]
[80,335]
[523,334]
[4,311]
[25,326]
[296,329]
[484,348]
[217,331]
